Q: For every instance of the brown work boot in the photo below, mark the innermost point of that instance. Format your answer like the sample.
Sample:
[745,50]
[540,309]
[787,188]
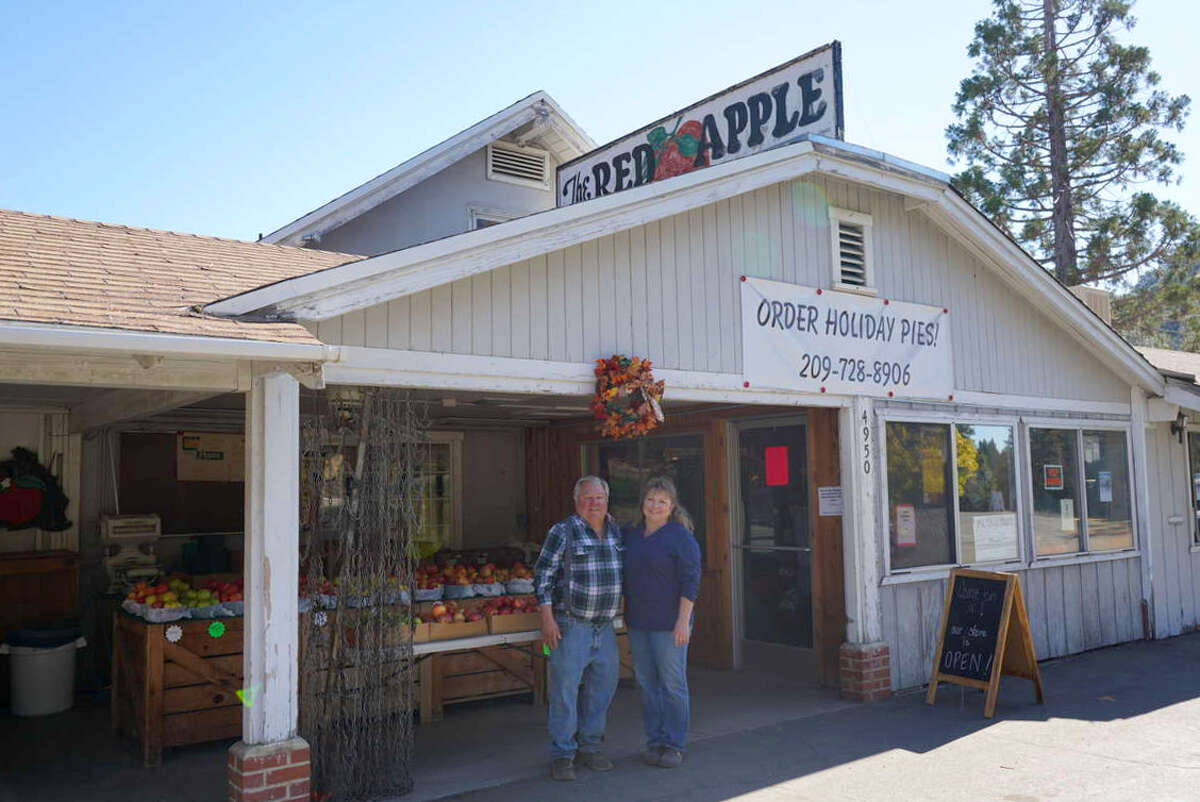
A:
[562,769]
[594,761]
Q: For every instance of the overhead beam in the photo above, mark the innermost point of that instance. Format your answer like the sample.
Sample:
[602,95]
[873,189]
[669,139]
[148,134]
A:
[118,405]
[37,366]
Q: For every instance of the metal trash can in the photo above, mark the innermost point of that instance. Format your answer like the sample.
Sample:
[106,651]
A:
[42,668]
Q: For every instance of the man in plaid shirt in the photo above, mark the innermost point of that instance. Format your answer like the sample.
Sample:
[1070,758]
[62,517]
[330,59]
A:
[577,579]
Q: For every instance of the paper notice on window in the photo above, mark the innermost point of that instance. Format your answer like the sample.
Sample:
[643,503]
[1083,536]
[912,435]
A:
[906,525]
[1066,510]
[1104,485]
[829,501]
[1052,477]
[995,536]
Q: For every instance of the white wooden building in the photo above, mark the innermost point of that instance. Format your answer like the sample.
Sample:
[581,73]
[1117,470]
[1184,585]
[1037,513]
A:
[1086,490]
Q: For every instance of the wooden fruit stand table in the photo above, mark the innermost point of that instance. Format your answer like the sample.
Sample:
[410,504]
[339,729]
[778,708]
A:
[171,694]
[489,666]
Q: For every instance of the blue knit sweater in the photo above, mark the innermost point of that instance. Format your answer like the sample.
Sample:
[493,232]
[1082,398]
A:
[659,570]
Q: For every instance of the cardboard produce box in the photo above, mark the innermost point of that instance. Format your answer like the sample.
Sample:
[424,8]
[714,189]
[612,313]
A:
[467,629]
[517,622]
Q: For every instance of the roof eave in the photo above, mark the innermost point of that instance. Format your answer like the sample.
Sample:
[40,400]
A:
[426,164]
[352,287]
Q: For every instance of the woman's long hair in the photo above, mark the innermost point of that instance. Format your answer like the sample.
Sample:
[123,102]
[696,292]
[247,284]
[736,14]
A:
[664,485]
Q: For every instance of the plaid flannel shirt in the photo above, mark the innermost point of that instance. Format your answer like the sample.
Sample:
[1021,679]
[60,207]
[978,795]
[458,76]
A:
[593,589]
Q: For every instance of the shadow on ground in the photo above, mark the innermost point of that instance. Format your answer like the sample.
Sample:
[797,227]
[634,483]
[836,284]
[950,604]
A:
[752,731]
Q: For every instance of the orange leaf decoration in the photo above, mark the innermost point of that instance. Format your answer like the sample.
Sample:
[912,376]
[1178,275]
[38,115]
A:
[627,398]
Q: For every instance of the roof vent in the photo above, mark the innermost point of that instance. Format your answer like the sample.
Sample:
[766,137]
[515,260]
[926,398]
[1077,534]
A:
[852,254]
[852,268]
[517,165]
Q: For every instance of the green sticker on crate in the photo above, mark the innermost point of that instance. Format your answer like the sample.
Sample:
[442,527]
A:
[216,629]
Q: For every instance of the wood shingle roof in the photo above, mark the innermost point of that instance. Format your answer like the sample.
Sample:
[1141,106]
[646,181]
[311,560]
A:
[82,273]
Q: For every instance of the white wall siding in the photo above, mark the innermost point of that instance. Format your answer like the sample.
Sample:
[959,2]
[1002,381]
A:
[1175,566]
[669,290]
[1072,608]
[435,208]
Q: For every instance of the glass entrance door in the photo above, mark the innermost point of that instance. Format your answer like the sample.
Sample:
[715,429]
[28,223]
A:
[775,539]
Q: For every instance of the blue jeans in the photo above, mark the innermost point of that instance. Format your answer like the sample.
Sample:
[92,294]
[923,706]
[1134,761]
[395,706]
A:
[586,654]
[661,669]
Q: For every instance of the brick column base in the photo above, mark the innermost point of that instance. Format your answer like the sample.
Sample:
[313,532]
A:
[274,772]
[866,671]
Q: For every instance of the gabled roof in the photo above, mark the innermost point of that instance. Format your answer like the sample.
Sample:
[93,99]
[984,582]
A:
[381,278]
[550,126]
[80,273]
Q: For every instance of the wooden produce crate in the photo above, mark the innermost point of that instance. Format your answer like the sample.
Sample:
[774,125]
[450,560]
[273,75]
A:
[464,629]
[517,622]
[171,694]
[474,674]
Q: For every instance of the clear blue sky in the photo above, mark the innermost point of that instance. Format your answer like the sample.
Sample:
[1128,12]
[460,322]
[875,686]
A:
[233,119]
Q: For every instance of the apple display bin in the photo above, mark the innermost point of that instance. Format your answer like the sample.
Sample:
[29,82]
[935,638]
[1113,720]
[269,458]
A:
[451,677]
[171,688]
[42,672]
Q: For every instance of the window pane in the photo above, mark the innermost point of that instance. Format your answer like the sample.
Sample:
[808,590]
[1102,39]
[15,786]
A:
[1055,491]
[1194,465]
[920,507]
[627,464]
[1106,475]
[987,497]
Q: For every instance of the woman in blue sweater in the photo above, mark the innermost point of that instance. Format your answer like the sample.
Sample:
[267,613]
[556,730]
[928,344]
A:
[662,580]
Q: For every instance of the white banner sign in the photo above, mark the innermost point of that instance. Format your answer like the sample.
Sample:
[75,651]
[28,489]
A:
[803,96]
[803,338]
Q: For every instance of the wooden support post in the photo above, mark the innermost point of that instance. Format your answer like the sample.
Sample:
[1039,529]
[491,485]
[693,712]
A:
[828,594]
[431,690]
[271,711]
[860,535]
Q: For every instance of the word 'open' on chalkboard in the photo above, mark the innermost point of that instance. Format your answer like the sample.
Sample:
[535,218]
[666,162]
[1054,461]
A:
[984,635]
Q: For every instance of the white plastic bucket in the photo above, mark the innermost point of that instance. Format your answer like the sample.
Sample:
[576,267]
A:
[43,680]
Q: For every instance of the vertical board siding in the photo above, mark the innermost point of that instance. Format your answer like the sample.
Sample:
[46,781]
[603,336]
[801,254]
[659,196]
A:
[912,614]
[669,290]
[1176,567]
[397,322]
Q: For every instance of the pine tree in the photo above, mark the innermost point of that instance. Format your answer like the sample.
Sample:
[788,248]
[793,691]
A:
[1060,126]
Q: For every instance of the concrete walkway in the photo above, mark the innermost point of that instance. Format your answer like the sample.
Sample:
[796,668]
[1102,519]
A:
[1119,724]
[498,742]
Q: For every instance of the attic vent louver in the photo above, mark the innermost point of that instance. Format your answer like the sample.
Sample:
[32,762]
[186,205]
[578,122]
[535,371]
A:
[852,263]
[852,254]
[518,165]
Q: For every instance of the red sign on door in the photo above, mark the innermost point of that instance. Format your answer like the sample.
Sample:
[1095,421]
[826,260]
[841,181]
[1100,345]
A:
[1052,476]
[776,459]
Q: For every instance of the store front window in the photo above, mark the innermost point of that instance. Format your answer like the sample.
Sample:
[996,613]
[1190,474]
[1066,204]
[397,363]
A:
[627,464]
[1078,511]
[920,507]
[987,493]
[951,502]
[1056,523]
[1193,443]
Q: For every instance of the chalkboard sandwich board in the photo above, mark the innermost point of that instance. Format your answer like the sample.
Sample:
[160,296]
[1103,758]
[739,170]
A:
[984,635]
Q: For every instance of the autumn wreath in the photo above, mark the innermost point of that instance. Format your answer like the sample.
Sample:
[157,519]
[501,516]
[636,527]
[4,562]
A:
[626,399]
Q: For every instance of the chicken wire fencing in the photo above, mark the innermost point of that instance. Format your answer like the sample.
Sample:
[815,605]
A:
[363,451]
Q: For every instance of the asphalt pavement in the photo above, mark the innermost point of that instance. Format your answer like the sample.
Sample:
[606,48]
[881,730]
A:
[1121,723]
